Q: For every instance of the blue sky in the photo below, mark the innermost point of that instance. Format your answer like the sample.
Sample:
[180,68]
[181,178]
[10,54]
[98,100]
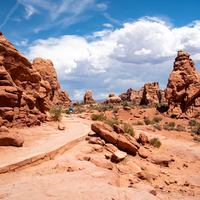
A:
[104,46]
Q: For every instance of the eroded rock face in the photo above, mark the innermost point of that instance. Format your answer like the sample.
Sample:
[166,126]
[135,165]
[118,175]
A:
[88,97]
[150,94]
[48,74]
[24,94]
[183,88]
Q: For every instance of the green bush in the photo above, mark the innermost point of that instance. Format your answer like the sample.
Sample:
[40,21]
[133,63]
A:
[110,122]
[143,106]
[159,127]
[196,139]
[98,117]
[193,122]
[138,123]
[125,104]
[115,109]
[196,129]
[155,142]
[148,121]
[67,112]
[56,112]
[128,129]
[180,128]
[172,124]
[157,119]
[168,128]
[110,105]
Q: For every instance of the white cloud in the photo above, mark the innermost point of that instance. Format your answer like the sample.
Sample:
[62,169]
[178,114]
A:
[9,14]
[115,60]
[22,43]
[143,51]
[29,11]
[108,25]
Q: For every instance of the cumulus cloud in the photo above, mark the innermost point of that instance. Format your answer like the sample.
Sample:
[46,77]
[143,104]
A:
[114,60]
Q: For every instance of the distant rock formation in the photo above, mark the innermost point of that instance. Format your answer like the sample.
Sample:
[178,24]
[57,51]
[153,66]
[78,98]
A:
[88,97]
[134,96]
[150,94]
[113,99]
[24,94]
[183,88]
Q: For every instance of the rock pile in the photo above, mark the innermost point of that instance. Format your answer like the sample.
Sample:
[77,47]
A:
[25,94]
[124,141]
[88,97]
[183,88]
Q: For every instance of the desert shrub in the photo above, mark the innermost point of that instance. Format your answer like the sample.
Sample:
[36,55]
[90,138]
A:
[156,105]
[157,119]
[102,108]
[112,121]
[56,112]
[172,124]
[196,129]
[67,112]
[115,109]
[168,128]
[155,142]
[143,106]
[148,121]
[193,122]
[98,117]
[125,104]
[91,105]
[196,139]
[128,129]
[157,113]
[110,105]
[192,134]
[138,123]
[180,128]
[157,126]
[166,122]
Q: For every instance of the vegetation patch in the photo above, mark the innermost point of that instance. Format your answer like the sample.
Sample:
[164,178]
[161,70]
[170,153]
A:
[56,112]
[157,126]
[180,128]
[138,123]
[112,121]
[196,139]
[125,104]
[98,117]
[172,124]
[155,142]
[128,129]
[157,119]
[148,121]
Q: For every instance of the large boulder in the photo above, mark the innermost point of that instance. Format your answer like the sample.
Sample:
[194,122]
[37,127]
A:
[11,139]
[113,99]
[183,88]
[88,97]
[25,92]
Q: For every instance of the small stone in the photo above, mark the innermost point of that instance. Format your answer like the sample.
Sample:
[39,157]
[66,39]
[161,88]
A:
[167,182]
[141,175]
[118,156]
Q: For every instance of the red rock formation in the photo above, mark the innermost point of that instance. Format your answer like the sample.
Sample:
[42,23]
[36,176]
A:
[24,94]
[150,94]
[134,96]
[48,73]
[183,88]
[88,97]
